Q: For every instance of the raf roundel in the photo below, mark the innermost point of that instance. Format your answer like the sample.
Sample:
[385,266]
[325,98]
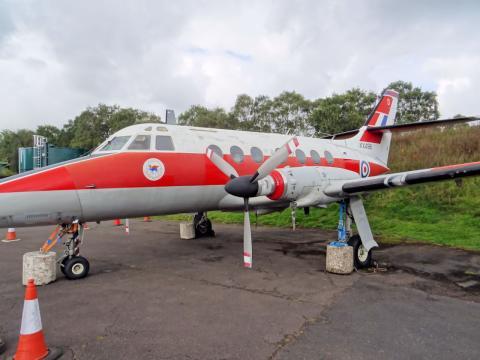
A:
[153,169]
[364,169]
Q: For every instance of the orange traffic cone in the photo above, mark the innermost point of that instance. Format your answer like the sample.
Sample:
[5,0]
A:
[117,222]
[31,344]
[11,235]
[147,219]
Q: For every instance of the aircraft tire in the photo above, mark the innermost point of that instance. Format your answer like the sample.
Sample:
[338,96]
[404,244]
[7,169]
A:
[76,268]
[361,259]
[204,228]
[63,265]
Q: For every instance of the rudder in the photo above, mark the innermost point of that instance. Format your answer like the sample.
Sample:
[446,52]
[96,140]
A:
[377,144]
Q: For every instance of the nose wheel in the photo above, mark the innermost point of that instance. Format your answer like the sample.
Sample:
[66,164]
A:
[72,265]
[74,268]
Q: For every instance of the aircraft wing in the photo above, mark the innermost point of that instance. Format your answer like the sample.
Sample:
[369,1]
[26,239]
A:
[406,127]
[382,182]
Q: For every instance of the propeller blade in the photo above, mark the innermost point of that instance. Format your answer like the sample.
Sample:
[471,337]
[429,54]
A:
[247,237]
[221,164]
[275,160]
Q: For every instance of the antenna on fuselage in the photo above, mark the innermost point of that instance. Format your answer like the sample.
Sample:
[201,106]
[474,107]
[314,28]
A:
[170,118]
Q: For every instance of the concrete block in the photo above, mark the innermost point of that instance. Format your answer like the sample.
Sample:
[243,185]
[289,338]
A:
[39,266]
[339,259]
[187,230]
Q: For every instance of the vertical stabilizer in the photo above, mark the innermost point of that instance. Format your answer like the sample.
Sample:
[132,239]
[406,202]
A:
[377,144]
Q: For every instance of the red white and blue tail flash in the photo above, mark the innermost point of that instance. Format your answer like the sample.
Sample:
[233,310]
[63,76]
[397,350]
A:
[385,111]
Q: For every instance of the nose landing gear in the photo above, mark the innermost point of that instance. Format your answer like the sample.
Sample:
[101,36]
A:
[72,265]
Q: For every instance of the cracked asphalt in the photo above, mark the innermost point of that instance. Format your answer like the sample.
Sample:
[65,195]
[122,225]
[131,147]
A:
[150,295]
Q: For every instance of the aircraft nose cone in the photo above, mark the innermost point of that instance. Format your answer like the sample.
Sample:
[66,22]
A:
[38,197]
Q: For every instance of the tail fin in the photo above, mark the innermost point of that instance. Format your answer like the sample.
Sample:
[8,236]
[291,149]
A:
[377,144]
[385,111]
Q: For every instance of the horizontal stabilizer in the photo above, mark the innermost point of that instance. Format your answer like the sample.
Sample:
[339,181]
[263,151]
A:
[405,127]
[422,124]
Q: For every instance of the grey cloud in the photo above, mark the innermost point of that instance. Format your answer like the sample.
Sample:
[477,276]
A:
[58,57]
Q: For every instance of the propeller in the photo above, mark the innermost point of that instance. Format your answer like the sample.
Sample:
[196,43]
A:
[247,237]
[247,187]
[221,164]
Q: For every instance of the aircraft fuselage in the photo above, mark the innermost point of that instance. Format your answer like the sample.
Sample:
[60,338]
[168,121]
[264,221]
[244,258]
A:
[126,177]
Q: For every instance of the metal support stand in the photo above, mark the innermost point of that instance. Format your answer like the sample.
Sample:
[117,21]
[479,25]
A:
[293,206]
[342,229]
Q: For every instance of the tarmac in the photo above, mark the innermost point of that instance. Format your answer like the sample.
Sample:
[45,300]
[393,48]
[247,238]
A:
[151,295]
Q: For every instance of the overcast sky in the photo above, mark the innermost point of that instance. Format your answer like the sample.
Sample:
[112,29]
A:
[58,57]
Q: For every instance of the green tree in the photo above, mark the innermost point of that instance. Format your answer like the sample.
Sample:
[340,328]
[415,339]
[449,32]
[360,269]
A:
[200,116]
[252,114]
[262,114]
[290,112]
[10,141]
[341,112]
[95,124]
[51,132]
[414,104]
[243,112]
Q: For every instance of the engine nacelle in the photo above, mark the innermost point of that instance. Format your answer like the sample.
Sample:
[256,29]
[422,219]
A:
[292,184]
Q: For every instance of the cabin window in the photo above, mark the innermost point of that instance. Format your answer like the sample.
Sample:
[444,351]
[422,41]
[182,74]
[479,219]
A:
[315,156]
[161,128]
[257,154]
[163,142]
[216,150]
[237,154]
[116,143]
[148,128]
[141,142]
[329,157]
[300,156]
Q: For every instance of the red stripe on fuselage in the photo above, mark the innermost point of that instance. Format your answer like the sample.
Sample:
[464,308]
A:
[52,179]
[125,170]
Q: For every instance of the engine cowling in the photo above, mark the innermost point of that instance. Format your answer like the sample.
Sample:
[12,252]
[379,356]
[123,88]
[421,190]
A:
[291,184]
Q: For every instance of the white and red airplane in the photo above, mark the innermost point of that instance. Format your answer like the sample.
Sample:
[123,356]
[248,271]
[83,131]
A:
[152,169]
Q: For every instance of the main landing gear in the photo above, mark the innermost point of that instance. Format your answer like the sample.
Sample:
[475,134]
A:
[203,225]
[362,258]
[72,265]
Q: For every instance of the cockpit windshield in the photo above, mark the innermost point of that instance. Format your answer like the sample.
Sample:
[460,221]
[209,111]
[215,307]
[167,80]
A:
[116,143]
[141,142]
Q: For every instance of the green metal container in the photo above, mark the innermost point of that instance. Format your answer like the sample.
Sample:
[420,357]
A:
[25,159]
[54,156]
[59,154]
